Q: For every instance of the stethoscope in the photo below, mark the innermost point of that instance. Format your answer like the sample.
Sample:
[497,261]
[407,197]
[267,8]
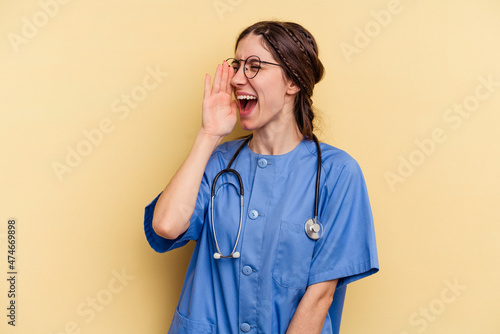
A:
[313,227]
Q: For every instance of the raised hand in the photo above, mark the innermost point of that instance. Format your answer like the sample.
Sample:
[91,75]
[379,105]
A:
[219,110]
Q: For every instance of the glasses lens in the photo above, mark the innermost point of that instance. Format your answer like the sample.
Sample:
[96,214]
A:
[233,63]
[252,66]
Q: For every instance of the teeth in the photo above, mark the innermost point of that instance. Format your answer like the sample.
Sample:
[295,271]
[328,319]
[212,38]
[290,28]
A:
[246,97]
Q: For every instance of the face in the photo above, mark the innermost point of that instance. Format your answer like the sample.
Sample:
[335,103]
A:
[271,101]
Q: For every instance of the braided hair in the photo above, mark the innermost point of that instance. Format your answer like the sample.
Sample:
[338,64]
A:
[296,50]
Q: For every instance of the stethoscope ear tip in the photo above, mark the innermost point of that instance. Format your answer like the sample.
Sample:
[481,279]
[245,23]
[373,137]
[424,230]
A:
[216,256]
[236,255]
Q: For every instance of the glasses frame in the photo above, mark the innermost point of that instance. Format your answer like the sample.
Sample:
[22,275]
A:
[232,60]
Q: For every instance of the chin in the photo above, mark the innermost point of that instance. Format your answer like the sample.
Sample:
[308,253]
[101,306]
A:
[246,126]
[248,123]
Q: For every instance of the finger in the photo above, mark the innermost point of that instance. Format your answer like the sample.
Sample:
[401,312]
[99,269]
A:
[229,87]
[216,84]
[225,75]
[206,92]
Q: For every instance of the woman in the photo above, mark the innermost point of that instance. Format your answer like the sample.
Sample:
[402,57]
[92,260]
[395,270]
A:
[257,266]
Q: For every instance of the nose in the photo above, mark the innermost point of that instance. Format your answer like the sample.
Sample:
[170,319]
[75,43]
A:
[239,78]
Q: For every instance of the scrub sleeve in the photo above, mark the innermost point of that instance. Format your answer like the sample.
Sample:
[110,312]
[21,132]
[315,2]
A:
[347,250]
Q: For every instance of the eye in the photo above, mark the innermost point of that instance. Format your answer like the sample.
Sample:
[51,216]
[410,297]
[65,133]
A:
[253,64]
[234,64]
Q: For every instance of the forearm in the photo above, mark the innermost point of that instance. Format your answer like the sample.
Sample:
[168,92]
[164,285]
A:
[176,204]
[310,315]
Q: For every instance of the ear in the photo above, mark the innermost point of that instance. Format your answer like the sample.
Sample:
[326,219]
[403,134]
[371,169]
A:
[292,88]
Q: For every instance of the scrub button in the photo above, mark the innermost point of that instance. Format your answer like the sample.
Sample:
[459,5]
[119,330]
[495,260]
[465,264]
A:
[247,270]
[245,327]
[262,163]
[253,214]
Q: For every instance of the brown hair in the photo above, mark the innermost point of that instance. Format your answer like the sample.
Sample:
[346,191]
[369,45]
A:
[295,48]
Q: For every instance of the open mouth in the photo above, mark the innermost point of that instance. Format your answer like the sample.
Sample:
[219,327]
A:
[247,103]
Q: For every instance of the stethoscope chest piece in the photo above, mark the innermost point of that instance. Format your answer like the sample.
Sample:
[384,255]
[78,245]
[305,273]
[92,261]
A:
[314,229]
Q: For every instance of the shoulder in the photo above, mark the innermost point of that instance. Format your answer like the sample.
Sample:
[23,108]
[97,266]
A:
[338,168]
[226,150]
[228,147]
[333,158]
[222,154]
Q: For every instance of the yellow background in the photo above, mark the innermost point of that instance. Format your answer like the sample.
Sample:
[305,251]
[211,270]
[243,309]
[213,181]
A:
[436,226]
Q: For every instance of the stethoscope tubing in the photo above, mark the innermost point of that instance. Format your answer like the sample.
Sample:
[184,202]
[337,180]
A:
[228,169]
[318,177]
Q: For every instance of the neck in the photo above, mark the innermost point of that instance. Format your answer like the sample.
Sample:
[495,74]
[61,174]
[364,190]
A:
[275,143]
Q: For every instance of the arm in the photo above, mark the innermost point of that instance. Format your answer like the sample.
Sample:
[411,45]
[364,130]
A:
[313,307]
[177,202]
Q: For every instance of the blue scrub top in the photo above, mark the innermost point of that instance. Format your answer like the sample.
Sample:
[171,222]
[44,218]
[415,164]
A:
[260,291]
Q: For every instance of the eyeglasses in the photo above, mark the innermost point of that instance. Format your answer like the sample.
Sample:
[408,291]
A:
[251,65]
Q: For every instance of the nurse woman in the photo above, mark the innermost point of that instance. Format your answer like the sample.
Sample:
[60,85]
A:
[287,224]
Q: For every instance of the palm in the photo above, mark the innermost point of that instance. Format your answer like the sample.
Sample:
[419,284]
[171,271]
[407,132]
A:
[219,111]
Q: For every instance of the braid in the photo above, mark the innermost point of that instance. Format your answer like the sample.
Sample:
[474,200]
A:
[300,45]
[304,109]
[309,56]
[311,41]
[298,79]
